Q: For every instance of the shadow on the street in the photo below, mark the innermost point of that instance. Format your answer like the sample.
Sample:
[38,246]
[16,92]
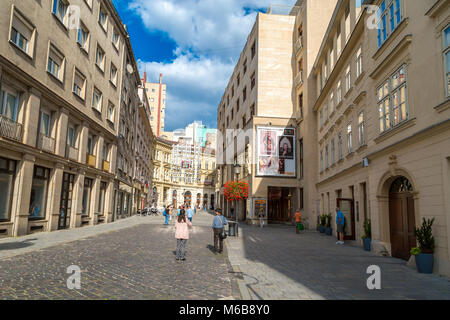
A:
[17,245]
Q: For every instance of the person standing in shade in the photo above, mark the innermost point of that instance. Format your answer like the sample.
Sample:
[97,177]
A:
[166,214]
[218,224]
[190,213]
[340,221]
[298,220]
[181,234]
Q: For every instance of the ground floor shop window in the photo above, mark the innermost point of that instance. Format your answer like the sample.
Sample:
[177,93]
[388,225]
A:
[101,199]
[39,190]
[86,196]
[7,172]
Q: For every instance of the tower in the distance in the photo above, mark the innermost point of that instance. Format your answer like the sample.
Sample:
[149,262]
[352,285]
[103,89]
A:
[156,93]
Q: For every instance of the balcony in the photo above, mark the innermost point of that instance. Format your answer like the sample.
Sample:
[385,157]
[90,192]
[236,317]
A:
[298,45]
[71,153]
[46,143]
[90,160]
[105,166]
[10,129]
[299,79]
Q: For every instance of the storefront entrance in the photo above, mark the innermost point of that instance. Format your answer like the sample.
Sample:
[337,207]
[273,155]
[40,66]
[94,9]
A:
[187,199]
[347,208]
[66,201]
[279,204]
[401,218]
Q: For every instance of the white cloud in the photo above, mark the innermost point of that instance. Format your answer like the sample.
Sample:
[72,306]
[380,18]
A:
[210,35]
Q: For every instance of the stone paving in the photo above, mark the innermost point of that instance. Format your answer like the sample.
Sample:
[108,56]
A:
[135,260]
[277,263]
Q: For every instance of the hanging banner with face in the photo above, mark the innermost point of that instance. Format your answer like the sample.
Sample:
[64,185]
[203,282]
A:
[276,152]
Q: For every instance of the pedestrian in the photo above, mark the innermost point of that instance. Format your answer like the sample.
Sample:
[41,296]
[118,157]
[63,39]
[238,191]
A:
[261,219]
[181,234]
[189,213]
[298,221]
[232,213]
[166,214]
[178,211]
[340,221]
[218,224]
[195,209]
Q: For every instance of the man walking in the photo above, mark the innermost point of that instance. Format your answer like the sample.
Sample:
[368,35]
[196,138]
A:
[298,220]
[217,226]
[340,225]
[190,213]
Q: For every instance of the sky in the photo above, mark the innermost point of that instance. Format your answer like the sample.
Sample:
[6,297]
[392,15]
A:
[195,44]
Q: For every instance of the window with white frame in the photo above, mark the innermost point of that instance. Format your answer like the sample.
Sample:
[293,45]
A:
[326,112]
[327,161]
[103,18]
[392,106]
[97,100]
[9,103]
[340,151]
[348,79]
[347,23]
[389,17]
[361,138]
[331,60]
[321,118]
[45,119]
[71,135]
[339,92]
[358,62]
[83,37]
[100,58]
[79,84]
[115,37]
[60,10]
[321,160]
[331,104]
[113,74]
[446,37]
[349,138]
[338,41]
[55,64]
[333,151]
[90,145]
[22,33]
[110,113]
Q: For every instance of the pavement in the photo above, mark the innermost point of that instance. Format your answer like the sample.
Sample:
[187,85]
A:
[134,258]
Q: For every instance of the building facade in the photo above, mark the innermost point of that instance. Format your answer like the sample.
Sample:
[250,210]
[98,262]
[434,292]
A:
[156,93]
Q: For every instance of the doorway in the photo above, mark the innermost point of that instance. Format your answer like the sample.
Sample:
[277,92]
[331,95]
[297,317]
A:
[187,199]
[278,204]
[401,218]
[347,208]
[66,201]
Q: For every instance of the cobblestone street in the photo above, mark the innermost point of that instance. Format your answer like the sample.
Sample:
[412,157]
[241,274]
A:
[137,262]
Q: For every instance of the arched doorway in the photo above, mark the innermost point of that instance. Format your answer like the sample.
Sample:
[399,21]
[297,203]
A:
[187,199]
[212,202]
[401,218]
[174,198]
[199,196]
[205,200]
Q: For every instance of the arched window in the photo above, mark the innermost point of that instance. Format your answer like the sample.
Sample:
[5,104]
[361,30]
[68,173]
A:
[401,184]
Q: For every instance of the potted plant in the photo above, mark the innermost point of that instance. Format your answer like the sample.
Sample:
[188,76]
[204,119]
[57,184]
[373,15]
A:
[328,229]
[424,253]
[367,237]
[322,223]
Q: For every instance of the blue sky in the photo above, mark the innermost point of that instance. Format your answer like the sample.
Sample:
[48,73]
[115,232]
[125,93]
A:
[195,44]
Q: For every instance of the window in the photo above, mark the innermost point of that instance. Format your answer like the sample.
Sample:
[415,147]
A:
[115,38]
[391,96]
[55,65]
[110,113]
[358,6]
[361,139]
[331,104]
[358,62]
[333,152]
[86,197]
[45,123]
[301,199]
[349,138]
[244,94]
[100,58]
[71,136]
[38,194]
[252,81]
[326,112]
[9,104]
[340,153]
[7,172]
[238,79]
[300,104]
[97,100]
[103,18]
[83,37]
[347,23]
[232,91]
[105,152]
[101,198]
[79,84]
[113,74]
[338,42]
[245,66]
[331,60]
[301,158]
[22,33]
[348,79]
[446,36]
[339,92]
[389,15]
[327,163]
[60,10]
[253,49]
[321,118]
[321,160]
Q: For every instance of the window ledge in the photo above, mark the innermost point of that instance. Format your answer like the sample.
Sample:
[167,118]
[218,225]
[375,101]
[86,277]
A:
[359,78]
[60,22]
[339,104]
[350,154]
[348,92]
[41,219]
[96,110]
[401,26]
[55,77]
[100,68]
[78,96]
[389,133]
[443,106]
[83,49]
[361,148]
[110,122]
[21,50]
[113,84]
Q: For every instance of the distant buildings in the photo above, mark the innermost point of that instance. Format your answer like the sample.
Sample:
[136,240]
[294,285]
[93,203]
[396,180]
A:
[156,94]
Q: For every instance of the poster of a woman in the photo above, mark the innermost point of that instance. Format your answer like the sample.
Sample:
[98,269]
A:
[267,144]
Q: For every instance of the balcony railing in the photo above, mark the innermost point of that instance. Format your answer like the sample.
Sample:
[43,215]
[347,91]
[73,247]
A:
[46,143]
[10,129]
[298,44]
[71,153]
[90,160]
[105,166]
[299,79]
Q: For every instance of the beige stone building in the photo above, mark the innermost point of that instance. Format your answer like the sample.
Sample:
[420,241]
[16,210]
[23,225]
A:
[156,93]
[383,122]
[260,111]
[61,92]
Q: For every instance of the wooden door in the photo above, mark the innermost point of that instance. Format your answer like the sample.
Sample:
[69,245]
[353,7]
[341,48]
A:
[347,208]
[402,223]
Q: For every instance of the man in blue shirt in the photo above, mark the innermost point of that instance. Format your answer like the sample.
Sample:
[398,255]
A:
[340,221]
[189,213]
[218,224]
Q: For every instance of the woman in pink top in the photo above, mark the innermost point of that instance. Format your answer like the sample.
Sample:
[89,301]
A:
[182,225]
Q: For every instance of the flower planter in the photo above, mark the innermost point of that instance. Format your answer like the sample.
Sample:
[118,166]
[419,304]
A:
[321,229]
[424,262]
[366,243]
[329,231]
